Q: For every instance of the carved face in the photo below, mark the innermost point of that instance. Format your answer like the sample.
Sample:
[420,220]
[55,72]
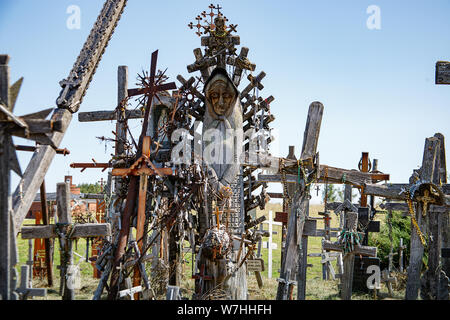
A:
[220,23]
[222,97]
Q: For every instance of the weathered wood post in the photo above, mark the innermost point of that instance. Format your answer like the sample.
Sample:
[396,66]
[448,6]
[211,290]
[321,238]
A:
[400,255]
[299,211]
[64,222]
[417,248]
[121,124]
[48,242]
[351,224]
[434,283]
[5,204]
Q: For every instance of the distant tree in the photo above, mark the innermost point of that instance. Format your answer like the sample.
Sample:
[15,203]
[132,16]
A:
[334,193]
[90,188]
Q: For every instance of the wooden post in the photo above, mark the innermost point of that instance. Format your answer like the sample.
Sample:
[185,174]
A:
[64,218]
[48,242]
[417,249]
[299,209]
[269,247]
[400,255]
[5,206]
[286,207]
[121,124]
[434,283]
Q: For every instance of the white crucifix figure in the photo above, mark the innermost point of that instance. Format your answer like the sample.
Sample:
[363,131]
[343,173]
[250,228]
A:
[271,223]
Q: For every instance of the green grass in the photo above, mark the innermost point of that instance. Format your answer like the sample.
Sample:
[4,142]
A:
[316,288]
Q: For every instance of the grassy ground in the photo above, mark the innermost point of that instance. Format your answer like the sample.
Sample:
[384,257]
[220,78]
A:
[316,288]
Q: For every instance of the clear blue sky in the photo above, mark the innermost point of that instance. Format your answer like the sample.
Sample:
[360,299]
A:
[377,86]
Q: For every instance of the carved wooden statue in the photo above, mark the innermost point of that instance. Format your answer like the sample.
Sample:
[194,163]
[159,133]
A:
[222,145]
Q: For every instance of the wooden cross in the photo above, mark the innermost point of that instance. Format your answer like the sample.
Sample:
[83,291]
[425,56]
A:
[66,232]
[25,289]
[217,214]
[31,126]
[142,168]
[130,291]
[84,68]
[201,277]
[255,82]
[351,223]
[299,211]
[202,64]
[432,173]
[240,64]
[270,222]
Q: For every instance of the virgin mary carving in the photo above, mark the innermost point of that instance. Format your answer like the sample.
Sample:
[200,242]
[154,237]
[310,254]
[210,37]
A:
[222,128]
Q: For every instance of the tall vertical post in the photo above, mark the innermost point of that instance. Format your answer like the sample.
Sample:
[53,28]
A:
[269,246]
[5,205]
[64,220]
[351,223]
[286,207]
[48,243]
[417,249]
[364,168]
[121,124]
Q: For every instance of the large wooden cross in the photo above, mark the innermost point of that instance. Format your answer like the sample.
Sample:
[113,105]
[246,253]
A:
[33,127]
[151,89]
[66,232]
[428,189]
[142,168]
[69,102]
[316,172]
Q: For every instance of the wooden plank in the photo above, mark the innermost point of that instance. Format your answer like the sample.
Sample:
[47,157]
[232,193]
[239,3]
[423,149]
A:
[122,172]
[354,177]
[347,277]
[403,207]
[395,191]
[66,257]
[442,72]
[331,175]
[70,98]
[85,230]
[359,250]
[94,116]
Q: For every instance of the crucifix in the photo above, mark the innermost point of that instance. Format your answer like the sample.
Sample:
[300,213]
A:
[151,89]
[26,289]
[142,168]
[428,190]
[66,232]
[202,277]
